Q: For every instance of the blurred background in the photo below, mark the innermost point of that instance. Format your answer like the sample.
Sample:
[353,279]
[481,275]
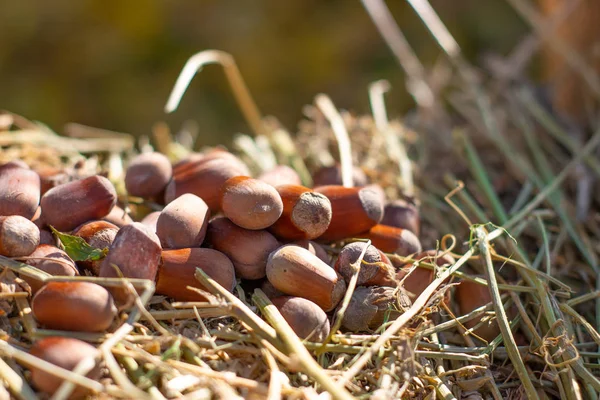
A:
[112,64]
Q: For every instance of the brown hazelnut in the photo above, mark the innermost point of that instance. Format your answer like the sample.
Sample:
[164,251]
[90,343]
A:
[18,236]
[148,174]
[67,206]
[99,235]
[19,191]
[306,214]
[177,270]
[371,306]
[297,272]
[204,178]
[117,216]
[421,277]
[248,250]
[65,353]
[183,222]
[281,175]
[250,203]
[52,260]
[375,270]
[306,319]
[393,240]
[469,296]
[314,248]
[74,306]
[135,250]
[354,211]
[150,220]
[333,176]
[402,214]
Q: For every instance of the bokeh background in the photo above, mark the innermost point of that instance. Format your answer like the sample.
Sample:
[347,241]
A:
[112,64]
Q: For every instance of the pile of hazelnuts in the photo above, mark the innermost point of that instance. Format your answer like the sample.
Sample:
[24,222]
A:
[269,231]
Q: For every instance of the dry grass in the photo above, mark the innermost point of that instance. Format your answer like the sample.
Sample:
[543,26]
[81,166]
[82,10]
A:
[501,187]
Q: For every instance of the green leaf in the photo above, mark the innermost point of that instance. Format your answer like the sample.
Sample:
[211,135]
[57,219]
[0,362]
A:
[77,248]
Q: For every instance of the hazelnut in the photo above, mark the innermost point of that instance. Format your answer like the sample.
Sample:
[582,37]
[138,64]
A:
[354,211]
[420,277]
[150,220]
[46,237]
[402,214]
[67,206]
[52,260]
[135,250]
[281,175]
[18,236]
[74,306]
[314,248]
[371,306]
[148,174]
[178,267]
[333,176]
[248,250]
[469,296]
[306,214]
[65,353]
[204,178]
[250,203]
[183,222]
[117,216]
[19,191]
[306,319]
[393,240]
[375,270]
[99,235]
[297,272]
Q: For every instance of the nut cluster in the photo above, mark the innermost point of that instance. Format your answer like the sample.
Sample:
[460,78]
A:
[293,241]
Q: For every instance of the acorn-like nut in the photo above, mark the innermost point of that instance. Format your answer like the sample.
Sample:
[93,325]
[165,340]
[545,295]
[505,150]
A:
[375,269]
[117,216]
[402,214]
[99,235]
[469,296]
[269,290]
[314,248]
[63,352]
[46,237]
[333,176]
[204,178]
[51,177]
[393,240]
[183,222]
[16,163]
[74,306]
[52,260]
[150,220]
[371,306]
[281,175]
[421,277]
[177,269]
[67,206]
[306,214]
[250,203]
[354,211]
[136,251]
[306,319]
[148,174]
[297,272]
[19,191]
[18,236]
[248,250]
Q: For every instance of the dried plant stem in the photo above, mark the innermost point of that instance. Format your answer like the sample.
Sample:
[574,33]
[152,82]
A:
[509,340]
[16,383]
[341,135]
[238,86]
[419,303]
[295,347]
